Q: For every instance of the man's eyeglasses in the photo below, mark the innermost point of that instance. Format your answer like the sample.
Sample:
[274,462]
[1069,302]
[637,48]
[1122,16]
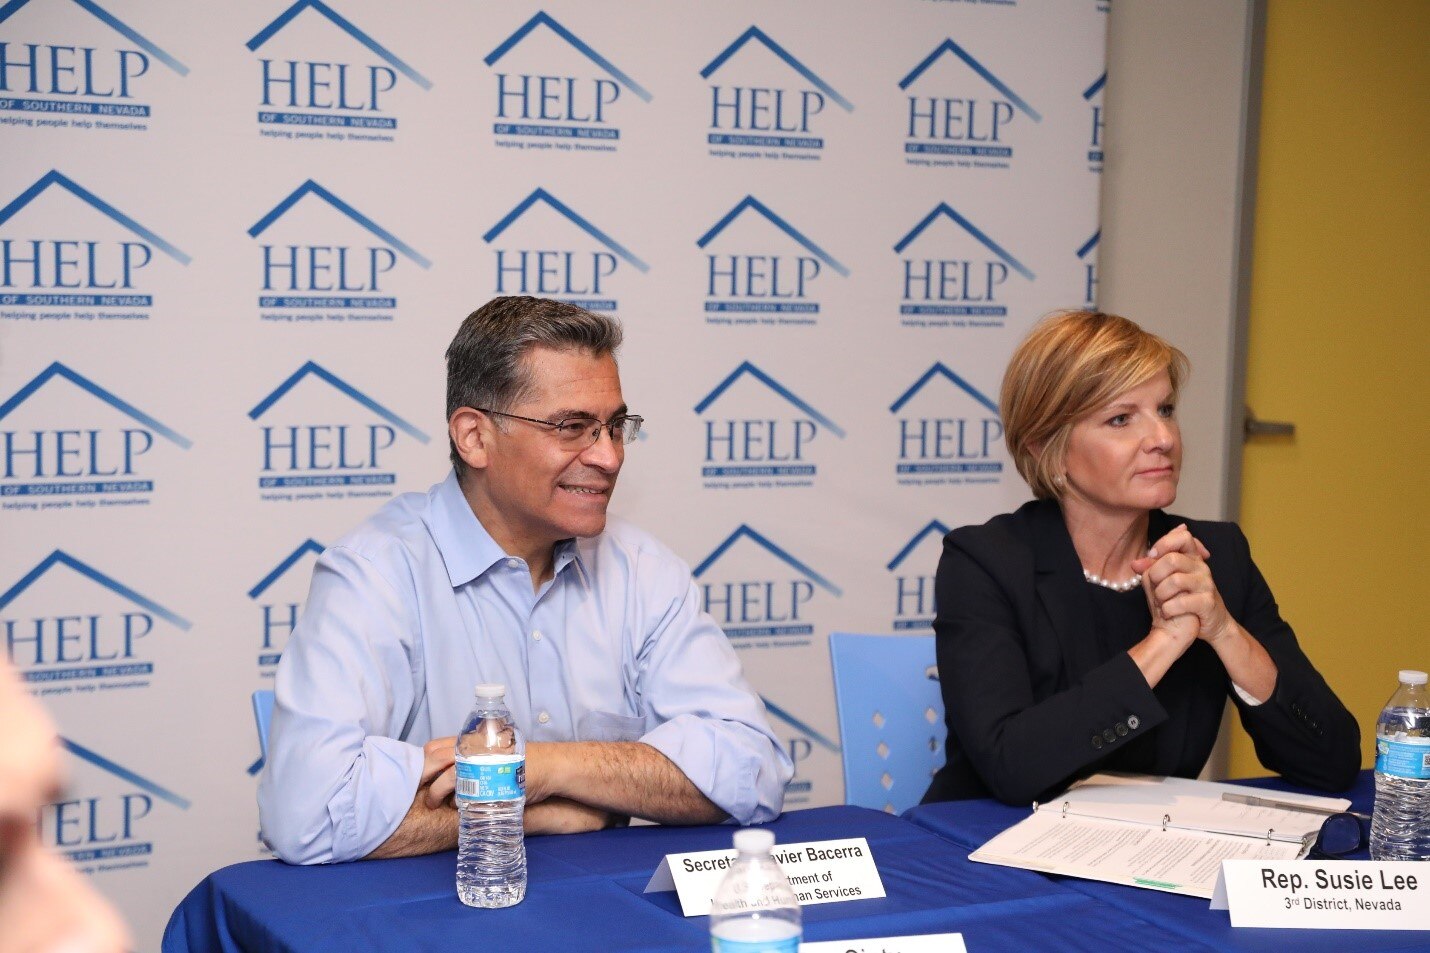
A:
[1341,834]
[581,432]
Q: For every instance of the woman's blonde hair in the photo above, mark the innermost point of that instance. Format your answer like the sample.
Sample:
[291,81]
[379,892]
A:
[1069,365]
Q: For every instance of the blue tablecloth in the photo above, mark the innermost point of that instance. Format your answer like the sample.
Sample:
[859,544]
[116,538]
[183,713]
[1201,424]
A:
[584,893]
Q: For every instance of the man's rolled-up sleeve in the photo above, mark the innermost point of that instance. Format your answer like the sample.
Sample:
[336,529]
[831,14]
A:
[710,723]
[337,782]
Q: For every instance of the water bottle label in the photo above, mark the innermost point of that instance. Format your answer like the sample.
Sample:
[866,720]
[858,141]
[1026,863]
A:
[1403,759]
[719,945]
[496,777]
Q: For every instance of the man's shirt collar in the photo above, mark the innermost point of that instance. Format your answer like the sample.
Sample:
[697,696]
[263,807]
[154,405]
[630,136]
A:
[467,549]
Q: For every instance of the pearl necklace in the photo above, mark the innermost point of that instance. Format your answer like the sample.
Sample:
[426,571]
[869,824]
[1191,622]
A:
[1124,586]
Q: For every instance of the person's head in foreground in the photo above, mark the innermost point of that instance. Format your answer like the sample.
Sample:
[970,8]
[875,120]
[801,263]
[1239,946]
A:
[45,904]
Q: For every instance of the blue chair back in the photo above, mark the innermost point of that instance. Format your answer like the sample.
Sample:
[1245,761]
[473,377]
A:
[891,726]
[263,717]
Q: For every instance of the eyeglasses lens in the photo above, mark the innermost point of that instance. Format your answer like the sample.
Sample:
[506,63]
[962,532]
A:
[581,434]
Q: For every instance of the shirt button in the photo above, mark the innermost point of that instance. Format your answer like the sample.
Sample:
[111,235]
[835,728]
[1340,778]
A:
[1097,741]
[536,636]
[513,564]
[1133,721]
[1109,735]
[1121,730]
[544,717]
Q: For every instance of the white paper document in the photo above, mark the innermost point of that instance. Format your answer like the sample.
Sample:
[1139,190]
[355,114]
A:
[1134,854]
[1195,806]
[1167,834]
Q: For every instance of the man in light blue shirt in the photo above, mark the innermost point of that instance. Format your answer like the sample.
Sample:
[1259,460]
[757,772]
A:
[630,696]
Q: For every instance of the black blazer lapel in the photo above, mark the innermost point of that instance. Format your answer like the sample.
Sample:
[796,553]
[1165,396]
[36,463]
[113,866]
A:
[1062,592]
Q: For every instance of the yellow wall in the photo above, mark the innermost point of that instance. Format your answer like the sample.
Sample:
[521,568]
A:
[1340,303]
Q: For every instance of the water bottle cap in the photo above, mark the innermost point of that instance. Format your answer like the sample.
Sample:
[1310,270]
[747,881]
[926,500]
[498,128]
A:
[491,690]
[754,840]
[1411,677]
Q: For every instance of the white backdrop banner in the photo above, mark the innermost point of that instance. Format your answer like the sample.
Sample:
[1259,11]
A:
[235,240]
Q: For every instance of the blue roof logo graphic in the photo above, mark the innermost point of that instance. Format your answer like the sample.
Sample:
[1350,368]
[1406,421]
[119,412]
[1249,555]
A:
[950,47]
[1096,87]
[89,198]
[124,774]
[745,532]
[1090,244]
[541,195]
[344,388]
[940,370]
[783,392]
[802,727]
[307,546]
[943,209]
[750,202]
[338,20]
[759,36]
[90,387]
[313,188]
[544,19]
[934,528]
[61,558]
[115,24]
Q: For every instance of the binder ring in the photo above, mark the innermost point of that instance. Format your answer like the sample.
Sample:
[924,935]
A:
[1166,819]
[1065,808]
[1269,832]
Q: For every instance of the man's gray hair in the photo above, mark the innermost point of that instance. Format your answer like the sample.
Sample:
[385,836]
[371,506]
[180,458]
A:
[485,361]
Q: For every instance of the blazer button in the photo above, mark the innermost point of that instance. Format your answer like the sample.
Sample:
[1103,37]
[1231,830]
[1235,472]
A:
[1133,721]
[1109,735]
[1121,730]
[1097,741]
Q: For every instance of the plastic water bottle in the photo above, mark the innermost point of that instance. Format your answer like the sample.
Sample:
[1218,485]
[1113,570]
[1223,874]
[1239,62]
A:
[754,909]
[1400,827]
[491,796]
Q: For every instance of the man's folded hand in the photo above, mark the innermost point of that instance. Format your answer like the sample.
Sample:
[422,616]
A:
[439,771]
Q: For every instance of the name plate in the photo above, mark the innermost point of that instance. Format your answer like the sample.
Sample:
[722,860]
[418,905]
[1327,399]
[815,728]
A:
[819,872]
[1325,895]
[927,943]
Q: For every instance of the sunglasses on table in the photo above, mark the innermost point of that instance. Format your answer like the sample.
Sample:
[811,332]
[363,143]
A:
[1341,835]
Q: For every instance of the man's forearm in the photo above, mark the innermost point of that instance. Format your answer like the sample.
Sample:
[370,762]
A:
[622,777]
[617,777]
[559,815]
[425,830]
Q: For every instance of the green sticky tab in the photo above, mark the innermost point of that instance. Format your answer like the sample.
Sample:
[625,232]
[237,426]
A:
[1144,882]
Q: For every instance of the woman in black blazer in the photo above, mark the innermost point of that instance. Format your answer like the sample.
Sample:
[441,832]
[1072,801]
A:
[1089,630]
